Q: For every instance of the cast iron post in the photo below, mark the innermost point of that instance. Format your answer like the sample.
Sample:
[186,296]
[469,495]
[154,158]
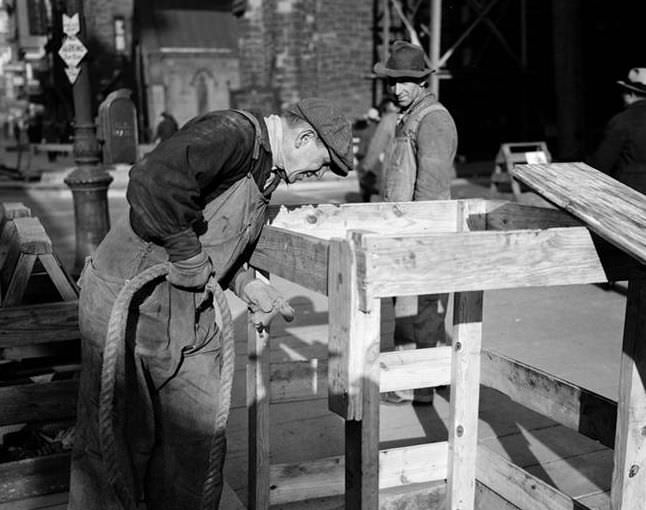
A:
[88,181]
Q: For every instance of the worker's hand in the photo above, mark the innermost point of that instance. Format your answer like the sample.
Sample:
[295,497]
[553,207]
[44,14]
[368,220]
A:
[265,302]
[190,273]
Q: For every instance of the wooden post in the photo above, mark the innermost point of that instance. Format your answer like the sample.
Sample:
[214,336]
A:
[629,476]
[354,355]
[465,389]
[258,416]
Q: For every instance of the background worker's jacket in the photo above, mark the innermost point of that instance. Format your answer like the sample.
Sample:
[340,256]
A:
[622,152]
[170,187]
[419,163]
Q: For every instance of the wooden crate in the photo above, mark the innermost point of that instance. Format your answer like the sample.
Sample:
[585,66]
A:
[359,254]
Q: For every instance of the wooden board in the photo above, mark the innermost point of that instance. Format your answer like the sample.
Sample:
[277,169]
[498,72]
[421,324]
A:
[34,477]
[419,368]
[577,408]
[324,477]
[64,284]
[38,402]
[354,335]
[31,236]
[518,486]
[629,475]
[514,216]
[329,221]
[465,387]
[465,261]
[27,325]
[18,280]
[258,416]
[609,208]
[299,258]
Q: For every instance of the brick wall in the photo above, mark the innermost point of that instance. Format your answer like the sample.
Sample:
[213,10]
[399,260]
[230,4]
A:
[99,19]
[105,62]
[290,49]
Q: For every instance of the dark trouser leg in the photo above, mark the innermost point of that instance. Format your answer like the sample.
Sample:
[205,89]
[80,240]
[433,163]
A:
[185,373]
[426,329]
[89,482]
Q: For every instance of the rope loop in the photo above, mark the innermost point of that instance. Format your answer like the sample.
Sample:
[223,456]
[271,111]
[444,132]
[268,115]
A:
[115,340]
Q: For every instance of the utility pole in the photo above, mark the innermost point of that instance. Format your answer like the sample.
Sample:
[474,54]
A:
[434,40]
[88,181]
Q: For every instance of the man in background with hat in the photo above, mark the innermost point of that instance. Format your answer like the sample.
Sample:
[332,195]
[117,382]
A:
[418,166]
[197,203]
[622,151]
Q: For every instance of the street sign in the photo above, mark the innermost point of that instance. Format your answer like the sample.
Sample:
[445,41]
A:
[72,73]
[72,51]
[71,24]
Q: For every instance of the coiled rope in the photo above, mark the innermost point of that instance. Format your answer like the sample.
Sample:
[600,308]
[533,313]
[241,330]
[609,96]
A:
[115,339]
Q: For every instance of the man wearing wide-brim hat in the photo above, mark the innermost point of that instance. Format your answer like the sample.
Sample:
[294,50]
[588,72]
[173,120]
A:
[417,166]
[622,151]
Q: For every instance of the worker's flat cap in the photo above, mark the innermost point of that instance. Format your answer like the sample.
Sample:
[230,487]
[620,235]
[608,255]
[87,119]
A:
[333,128]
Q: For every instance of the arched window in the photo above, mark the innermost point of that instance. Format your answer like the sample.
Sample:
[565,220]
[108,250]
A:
[203,83]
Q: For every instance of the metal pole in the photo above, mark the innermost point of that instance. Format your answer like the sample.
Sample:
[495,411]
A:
[435,39]
[385,31]
[88,181]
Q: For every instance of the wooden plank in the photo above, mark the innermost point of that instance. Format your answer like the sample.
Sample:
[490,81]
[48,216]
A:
[354,334]
[64,284]
[38,402]
[629,476]
[34,477]
[362,448]
[568,404]
[420,368]
[43,323]
[520,488]
[17,286]
[514,216]
[32,236]
[330,221]
[299,258]
[12,210]
[353,383]
[258,414]
[435,263]
[9,253]
[463,411]
[609,208]
[57,501]
[324,477]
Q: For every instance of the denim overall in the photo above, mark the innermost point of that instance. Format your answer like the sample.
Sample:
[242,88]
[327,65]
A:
[169,375]
[418,322]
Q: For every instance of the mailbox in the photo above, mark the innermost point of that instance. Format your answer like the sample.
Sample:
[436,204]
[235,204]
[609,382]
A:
[118,128]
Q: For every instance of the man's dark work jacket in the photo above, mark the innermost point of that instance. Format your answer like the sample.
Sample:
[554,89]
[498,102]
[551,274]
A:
[622,152]
[169,188]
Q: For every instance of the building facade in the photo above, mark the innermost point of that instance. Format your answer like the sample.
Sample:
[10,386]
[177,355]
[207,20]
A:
[290,49]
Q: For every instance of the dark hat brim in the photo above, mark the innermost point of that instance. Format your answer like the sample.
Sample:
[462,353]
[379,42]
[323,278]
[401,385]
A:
[381,70]
[635,87]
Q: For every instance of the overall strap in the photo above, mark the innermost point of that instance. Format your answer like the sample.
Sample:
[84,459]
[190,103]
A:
[411,123]
[258,140]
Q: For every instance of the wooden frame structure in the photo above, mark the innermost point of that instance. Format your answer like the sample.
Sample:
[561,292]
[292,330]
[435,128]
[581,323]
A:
[358,254]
